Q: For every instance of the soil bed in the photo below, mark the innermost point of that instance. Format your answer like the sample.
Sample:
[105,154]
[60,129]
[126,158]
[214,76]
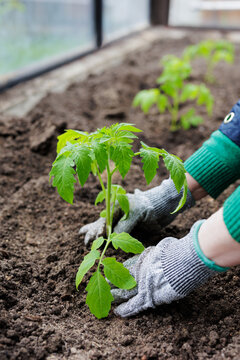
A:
[42,316]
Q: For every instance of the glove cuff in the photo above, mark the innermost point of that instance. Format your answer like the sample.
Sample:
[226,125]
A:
[208,262]
[184,264]
[164,199]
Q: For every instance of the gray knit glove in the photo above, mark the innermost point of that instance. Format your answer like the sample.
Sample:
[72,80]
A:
[164,273]
[149,210]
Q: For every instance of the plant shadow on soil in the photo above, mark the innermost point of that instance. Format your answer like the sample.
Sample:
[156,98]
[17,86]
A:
[42,316]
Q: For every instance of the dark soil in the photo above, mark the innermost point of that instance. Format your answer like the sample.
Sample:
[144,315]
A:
[42,315]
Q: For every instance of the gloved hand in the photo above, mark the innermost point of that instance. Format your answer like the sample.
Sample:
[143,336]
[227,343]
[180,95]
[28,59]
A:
[149,210]
[165,273]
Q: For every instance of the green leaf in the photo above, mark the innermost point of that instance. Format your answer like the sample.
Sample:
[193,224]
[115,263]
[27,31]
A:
[123,203]
[103,214]
[97,243]
[196,120]
[117,192]
[213,51]
[101,155]
[186,119]
[183,198]
[68,136]
[171,88]
[222,55]
[88,262]
[94,168]
[205,98]
[185,124]
[190,91]
[205,48]
[105,139]
[224,45]
[83,161]
[162,103]
[127,243]
[173,163]
[122,155]
[117,274]
[100,197]
[167,59]
[127,127]
[67,149]
[118,189]
[174,72]
[145,99]
[126,136]
[150,160]
[82,157]
[99,296]
[190,52]
[176,168]
[64,179]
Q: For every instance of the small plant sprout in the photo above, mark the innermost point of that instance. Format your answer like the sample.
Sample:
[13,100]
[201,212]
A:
[173,92]
[213,51]
[79,154]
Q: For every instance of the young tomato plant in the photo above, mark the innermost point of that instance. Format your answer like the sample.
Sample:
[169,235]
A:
[80,153]
[213,51]
[173,91]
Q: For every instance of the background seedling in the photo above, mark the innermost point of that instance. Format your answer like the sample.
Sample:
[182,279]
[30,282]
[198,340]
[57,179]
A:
[173,91]
[80,153]
[213,52]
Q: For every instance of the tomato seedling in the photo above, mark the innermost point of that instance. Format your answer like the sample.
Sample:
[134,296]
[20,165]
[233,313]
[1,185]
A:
[78,154]
[213,51]
[173,91]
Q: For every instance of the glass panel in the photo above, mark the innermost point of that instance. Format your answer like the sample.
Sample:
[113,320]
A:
[42,30]
[121,17]
[211,13]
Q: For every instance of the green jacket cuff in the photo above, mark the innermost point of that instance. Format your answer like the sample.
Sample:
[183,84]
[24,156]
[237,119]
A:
[216,164]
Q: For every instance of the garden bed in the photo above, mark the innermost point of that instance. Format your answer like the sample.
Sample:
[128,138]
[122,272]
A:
[42,316]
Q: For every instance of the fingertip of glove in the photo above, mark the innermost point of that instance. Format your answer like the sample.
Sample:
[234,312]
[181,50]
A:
[116,293]
[122,311]
[137,191]
[87,239]
[82,230]
[123,226]
[118,312]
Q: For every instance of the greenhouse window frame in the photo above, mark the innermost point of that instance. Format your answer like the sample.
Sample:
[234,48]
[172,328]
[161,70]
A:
[39,69]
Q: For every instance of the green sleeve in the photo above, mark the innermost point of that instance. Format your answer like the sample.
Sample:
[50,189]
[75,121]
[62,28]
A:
[231,214]
[216,164]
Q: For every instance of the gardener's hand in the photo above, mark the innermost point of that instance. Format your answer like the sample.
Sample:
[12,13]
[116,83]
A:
[149,210]
[164,273]
[93,230]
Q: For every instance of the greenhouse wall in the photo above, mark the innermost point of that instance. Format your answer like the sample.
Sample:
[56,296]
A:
[122,17]
[44,31]
[205,13]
